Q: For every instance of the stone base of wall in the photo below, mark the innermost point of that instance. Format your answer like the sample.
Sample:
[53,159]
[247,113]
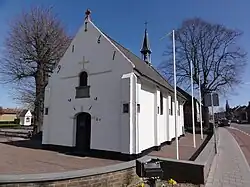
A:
[122,178]
[115,179]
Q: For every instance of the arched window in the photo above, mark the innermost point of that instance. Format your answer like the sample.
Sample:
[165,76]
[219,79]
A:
[82,91]
[83,79]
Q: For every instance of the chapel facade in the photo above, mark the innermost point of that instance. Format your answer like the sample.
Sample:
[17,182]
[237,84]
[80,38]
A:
[104,100]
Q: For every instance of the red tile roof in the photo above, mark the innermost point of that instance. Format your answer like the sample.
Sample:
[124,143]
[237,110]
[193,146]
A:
[10,110]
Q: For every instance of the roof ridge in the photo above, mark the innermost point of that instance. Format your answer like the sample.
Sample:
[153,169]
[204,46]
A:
[112,43]
[148,65]
[128,54]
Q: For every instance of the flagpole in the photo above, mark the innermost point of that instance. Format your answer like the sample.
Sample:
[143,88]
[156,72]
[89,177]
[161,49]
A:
[175,101]
[192,88]
[200,107]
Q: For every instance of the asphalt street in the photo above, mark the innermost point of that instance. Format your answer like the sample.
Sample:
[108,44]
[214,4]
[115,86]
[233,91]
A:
[243,127]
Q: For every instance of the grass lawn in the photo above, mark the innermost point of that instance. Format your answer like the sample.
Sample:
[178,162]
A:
[11,125]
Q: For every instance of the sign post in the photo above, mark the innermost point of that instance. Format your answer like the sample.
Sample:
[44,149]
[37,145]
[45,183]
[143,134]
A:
[212,99]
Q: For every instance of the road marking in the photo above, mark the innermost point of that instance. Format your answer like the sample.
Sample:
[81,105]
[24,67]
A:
[239,130]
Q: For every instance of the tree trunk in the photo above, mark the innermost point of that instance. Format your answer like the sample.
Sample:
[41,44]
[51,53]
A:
[205,116]
[39,103]
[205,109]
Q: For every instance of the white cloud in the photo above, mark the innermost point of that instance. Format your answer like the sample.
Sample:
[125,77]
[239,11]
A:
[246,83]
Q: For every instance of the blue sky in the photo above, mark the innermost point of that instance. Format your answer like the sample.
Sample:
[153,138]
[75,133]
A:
[124,21]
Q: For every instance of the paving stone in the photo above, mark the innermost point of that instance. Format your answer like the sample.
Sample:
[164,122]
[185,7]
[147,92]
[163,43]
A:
[32,159]
[229,167]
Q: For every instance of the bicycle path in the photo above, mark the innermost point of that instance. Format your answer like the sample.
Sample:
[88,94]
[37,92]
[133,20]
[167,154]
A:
[229,168]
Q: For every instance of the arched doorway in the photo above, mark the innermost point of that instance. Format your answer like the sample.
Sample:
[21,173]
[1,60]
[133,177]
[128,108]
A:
[83,132]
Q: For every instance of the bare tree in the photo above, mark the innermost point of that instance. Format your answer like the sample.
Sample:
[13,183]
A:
[24,94]
[215,56]
[34,45]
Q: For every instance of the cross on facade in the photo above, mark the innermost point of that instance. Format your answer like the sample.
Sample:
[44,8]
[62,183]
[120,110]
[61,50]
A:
[83,62]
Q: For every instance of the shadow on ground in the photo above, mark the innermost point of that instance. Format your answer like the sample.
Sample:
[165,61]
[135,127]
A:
[36,143]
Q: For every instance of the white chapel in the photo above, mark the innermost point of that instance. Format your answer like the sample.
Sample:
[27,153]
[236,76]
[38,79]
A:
[104,100]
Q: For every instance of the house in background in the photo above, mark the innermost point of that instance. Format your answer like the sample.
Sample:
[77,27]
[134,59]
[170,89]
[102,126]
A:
[219,115]
[241,114]
[25,117]
[248,112]
[9,114]
[188,122]
[104,100]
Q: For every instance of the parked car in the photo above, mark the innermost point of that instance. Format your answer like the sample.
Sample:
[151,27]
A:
[226,122]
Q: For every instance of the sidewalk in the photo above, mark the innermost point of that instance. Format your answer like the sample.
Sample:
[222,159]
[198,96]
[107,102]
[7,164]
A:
[229,168]
[186,148]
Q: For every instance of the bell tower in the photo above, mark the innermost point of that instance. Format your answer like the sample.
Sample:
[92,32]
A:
[145,50]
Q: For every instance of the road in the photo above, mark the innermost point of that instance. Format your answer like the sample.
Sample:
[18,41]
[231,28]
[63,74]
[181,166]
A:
[243,127]
[241,132]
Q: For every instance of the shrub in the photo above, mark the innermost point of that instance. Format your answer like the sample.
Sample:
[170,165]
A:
[17,121]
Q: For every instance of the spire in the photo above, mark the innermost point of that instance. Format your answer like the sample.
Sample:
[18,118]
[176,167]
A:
[145,50]
[227,106]
[227,110]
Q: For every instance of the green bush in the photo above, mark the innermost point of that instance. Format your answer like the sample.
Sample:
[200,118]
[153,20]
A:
[8,125]
[17,121]
[7,122]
